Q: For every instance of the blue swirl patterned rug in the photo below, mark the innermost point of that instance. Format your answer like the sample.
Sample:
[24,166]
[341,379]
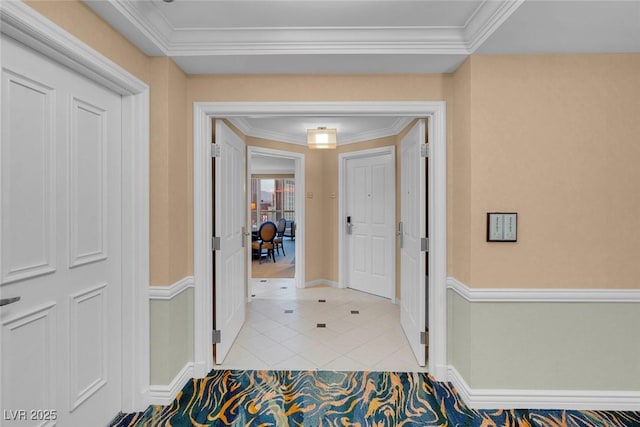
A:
[324,398]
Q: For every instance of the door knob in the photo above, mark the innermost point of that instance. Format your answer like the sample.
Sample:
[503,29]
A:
[7,301]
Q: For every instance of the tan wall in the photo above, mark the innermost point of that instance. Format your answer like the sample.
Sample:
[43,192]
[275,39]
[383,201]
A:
[551,137]
[459,176]
[555,138]
[180,179]
[76,18]
[170,249]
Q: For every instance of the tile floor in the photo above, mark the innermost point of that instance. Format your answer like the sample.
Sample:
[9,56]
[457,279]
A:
[362,332]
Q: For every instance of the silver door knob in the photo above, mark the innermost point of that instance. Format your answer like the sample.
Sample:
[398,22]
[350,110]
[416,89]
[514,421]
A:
[7,301]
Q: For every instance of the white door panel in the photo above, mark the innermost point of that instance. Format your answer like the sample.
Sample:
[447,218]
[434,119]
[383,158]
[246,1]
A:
[412,261]
[370,204]
[229,221]
[61,344]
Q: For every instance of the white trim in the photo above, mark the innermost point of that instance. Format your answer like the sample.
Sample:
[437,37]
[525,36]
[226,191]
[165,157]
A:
[148,28]
[321,282]
[202,113]
[300,200]
[486,20]
[595,400]
[396,127]
[342,201]
[202,232]
[165,394]
[31,28]
[169,292]
[542,295]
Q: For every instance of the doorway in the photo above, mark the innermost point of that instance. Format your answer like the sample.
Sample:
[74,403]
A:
[202,268]
[272,200]
[275,192]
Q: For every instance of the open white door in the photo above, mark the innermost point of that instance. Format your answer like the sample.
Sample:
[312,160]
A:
[413,228]
[229,259]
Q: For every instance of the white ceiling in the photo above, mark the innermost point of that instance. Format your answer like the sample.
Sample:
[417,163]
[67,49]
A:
[294,129]
[362,36]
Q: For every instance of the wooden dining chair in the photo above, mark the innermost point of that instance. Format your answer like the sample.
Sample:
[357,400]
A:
[282,224]
[266,235]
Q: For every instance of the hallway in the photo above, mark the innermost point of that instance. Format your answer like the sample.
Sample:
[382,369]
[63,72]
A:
[284,331]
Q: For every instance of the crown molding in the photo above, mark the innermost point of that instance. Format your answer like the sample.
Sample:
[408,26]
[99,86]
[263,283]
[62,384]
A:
[486,20]
[155,35]
[256,132]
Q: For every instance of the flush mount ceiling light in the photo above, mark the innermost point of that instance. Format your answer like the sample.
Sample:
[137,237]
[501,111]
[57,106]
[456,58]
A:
[322,138]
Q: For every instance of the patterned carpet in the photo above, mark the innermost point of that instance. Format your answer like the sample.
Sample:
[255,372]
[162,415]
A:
[299,398]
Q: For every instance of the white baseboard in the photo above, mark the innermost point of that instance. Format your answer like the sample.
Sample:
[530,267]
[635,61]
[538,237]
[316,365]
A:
[542,295]
[595,400]
[169,292]
[165,394]
[321,282]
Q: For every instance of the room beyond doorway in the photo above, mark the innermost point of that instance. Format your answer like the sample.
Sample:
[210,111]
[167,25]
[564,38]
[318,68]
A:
[275,193]
[272,189]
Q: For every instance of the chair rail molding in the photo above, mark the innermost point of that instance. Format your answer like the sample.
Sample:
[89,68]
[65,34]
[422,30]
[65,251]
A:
[542,295]
[170,292]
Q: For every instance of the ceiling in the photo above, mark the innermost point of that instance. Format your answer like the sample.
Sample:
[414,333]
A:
[362,37]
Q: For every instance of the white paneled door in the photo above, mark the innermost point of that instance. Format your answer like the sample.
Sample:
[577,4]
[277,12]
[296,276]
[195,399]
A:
[229,260]
[60,207]
[370,222]
[412,261]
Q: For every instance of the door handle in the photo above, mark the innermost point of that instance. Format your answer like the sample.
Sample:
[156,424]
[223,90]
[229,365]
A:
[349,225]
[400,234]
[244,236]
[7,301]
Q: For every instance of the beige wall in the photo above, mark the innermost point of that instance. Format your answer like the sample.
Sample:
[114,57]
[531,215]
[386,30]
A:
[76,18]
[550,136]
[555,138]
[459,176]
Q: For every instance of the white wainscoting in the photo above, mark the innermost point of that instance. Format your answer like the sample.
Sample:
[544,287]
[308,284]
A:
[543,399]
[165,394]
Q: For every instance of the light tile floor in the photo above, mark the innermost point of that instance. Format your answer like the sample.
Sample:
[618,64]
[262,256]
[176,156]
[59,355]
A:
[281,331]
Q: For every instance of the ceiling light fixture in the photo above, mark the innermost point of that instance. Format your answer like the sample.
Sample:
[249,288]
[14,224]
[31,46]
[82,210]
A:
[322,138]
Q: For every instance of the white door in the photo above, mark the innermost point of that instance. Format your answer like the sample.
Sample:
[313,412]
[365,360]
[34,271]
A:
[370,218]
[229,261]
[412,260]
[60,207]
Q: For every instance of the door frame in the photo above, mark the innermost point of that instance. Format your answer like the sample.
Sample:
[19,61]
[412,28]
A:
[299,204]
[29,27]
[342,202]
[202,114]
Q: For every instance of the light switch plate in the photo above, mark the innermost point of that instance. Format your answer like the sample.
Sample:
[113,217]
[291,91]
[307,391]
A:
[502,227]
